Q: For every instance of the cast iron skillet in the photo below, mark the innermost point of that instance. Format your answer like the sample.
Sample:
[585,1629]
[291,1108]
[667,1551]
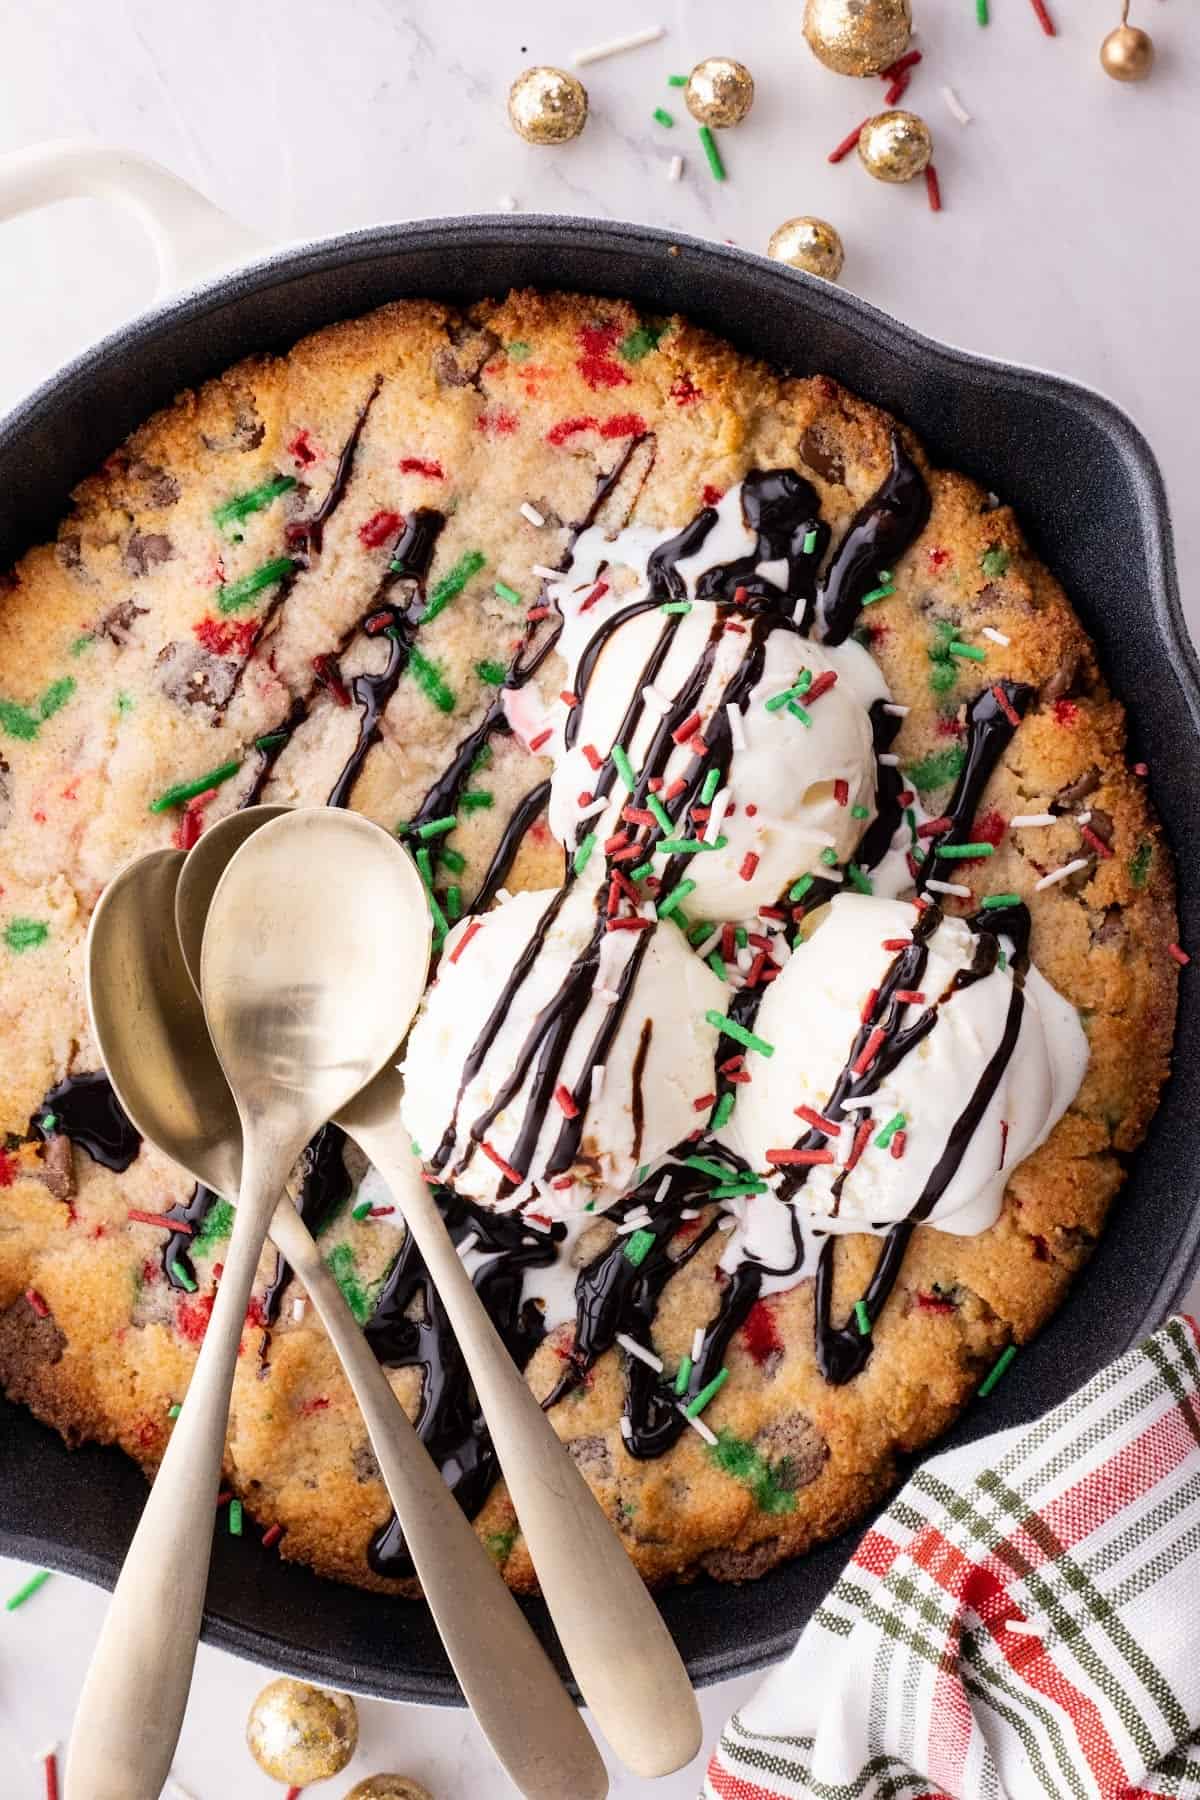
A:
[1087,489]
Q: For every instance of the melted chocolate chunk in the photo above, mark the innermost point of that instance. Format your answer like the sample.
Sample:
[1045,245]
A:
[145,551]
[86,1110]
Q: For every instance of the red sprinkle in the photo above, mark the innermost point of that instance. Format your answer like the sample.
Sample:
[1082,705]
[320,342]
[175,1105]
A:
[847,144]
[464,940]
[326,673]
[898,1144]
[563,1181]
[933,189]
[271,1536]
[677,787]
[1006,706]
[938,557]
[381,1212]
[897,943]
[1141,769]
[51,1768]
[591,756]
[1065,712]
[728,945]
[626,886]
[755,972]
[567,697]
[1180,956]
[751,810]
[702,1102]
[772,912]
[600,589]
[820,686]
[614,897]
[905,797]
[379,528]
[506,1169]
[655,784]
[933,1302]
[800,1158]
[818,1121]
[417,465]
[191,823]
[38,1304]
[749,864]
[861,1136]
[293,1793]
[627,854]
[636,815]
[897,88]
[683,390]
[841,792]
[1044,19]
[630,924]
[301,449]
[537,612]
[1095,840]
[869,1051]
[566,1100]
[595,360]
[712,496]
[501,422]
[759,1332]
[934,827]
[378,622]
[731,1063]
[732,625]
[910,996]
[909,60]
[683,732]
[869,1006]
[543,737]
[150,1218]
[584,798]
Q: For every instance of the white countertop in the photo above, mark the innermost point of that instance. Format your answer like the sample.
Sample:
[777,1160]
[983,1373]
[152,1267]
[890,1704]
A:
[1070,240]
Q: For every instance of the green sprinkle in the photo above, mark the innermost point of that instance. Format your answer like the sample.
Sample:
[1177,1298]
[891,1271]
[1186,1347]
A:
[500,1543]
[697,932]
[938,770]
[490,671]
[716,963]
[994,562]
[792,693]
[233,511]
[583,853]
[697,1406]
[454,860]
[676,606]
[188,790]
[942,677]
[643,338]
[810,542]
[859,880]
[642,870]
[56,697]
[709,146]
[624,768]
[518,351]
[174,1410]
[722,1110]
[798,712]
[482,759]
[182,1277]
[740,936]
[896,1123]
[503,592]
[270,739]
[860,812]
[49,1121]
[862,1318]
[217,1225]
[712,782]
[27,1591]
[25,934]
[361,1210]
[959,852]
[235,1518]
[829,857]
[662,116]
[453,904]
[18,721]
[343,1266]
[453,583]
[981,12]
[996,1371]
[740,1035]
[704,1165]
[749,1184]
[663,817]
[885,574]
[82,643]
[477,800]
[677,80]
[683,846]
[972,652]
[1139,864]
[236,594]
[801,887]
[683,1375]
[637,1247]
[879,593]
[772,1485]
[1002,962]
[438,827]
[675,898]
[431,681]
[990,901]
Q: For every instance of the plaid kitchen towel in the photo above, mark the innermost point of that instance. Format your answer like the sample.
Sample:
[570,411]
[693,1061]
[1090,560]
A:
[1022,1622]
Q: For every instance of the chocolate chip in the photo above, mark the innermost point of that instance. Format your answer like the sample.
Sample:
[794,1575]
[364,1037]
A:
[56,1170]
[192,677]
[161,489]
[69,551]
[29,1343]
[1101,823]
[460,366]
[117,623]
[742,1565]
[1061,682]
[246,430]
[145,550]
[1077,790]
[592,1455]
[816,451]
[1112,928]
[795,1450]
[366,1467]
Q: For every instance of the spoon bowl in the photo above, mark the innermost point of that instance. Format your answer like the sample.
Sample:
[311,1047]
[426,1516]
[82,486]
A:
[202,869]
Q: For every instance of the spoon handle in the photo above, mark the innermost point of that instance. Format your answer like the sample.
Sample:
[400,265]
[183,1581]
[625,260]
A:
[518,1700]
[133,1701]
[612,1634]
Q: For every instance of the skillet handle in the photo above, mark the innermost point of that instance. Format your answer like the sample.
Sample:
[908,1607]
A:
[192,238]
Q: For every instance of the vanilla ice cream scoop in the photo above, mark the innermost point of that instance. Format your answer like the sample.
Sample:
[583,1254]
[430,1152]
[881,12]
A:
[554,1056]
[914,1063]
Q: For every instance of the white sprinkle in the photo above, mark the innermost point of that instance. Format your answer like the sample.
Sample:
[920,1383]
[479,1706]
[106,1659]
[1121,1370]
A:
[888,761]
[1056,875]
[299,1308]
[591,809]
[854,1105]
[527,511]
[626,1427]
[508,203]
[656,701]
[503,896]
[634,1221]
[597,1087]
[467,1244]
[834,875]
[545,573]
[716,818]
[745,959]
[614,46]
[950,887]
[698,1343]
[997,637]
[649,911]
[689,1212]
[675,168]
[705,950]
[737,732]
[643,1355]
[727,1224]
[955,106]
[1083,818]
[697,1424]
[664,1188]
[1019,820]
[897,711]
[1023,1627]
[607,996]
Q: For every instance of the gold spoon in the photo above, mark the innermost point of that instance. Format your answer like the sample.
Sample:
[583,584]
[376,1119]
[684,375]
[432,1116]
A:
[167,1077]
[612,1634]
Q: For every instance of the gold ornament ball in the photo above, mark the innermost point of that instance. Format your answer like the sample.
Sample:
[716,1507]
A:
[1127,54]
[547,106]
[857,37]
[389,1787]
[895,146]
[719,91]
[809,244]
[299,1734]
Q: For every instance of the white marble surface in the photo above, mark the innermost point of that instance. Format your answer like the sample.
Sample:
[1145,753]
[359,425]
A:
[1070,239]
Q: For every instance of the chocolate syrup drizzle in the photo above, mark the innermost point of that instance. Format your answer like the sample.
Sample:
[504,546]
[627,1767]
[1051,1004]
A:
[86,1110]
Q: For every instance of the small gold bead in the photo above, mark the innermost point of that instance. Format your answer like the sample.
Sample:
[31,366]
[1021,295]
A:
[857,37]
[809,244]
[895,146]
[389,1787]
[1127,54]
[298,1734]
[719,91]
[547,106]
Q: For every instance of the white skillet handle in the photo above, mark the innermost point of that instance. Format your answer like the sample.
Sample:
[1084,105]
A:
[192,238]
